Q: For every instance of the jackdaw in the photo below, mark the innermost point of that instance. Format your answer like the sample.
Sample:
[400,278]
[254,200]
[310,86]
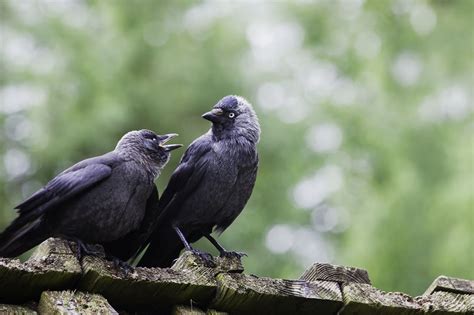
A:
[211,185]
[97,201]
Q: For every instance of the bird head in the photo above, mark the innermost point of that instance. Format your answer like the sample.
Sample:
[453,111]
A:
[233,116]
[147,147]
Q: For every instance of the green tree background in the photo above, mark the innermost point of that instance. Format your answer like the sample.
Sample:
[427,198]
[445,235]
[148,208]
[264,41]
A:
[366,112]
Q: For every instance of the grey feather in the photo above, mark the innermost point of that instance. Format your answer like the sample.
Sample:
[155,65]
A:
[97,200]
[212,184]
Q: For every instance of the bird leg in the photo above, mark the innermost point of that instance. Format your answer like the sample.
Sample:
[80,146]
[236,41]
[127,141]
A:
[222,251]
[83,250]
[182,238]
[207,258]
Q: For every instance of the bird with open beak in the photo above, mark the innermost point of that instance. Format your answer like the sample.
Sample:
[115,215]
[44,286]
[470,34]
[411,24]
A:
[96,201]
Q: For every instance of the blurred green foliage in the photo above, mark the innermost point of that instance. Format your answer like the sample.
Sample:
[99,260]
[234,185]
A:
[366,109]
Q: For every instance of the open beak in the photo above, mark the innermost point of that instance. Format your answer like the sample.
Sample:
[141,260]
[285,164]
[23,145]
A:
[214,115]
[169,147]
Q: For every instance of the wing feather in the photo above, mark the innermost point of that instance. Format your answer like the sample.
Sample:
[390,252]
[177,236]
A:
[184,180]
[61,188]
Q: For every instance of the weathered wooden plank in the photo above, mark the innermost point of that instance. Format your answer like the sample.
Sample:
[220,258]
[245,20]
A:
[449,284]
[7,309]
[240,293]
[56,247]
[192,310]
[219,285]
[147,287]
[361,298]
[73,302]
[53,266]
[442,302]
[187,310]
[189,261]
[341,274]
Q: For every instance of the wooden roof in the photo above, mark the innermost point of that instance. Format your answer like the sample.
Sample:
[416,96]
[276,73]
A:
[53,280]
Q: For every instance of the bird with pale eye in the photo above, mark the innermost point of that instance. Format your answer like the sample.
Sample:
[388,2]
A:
[211,185]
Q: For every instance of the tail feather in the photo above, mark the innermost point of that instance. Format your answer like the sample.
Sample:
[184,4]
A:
[163,250]
[19,238]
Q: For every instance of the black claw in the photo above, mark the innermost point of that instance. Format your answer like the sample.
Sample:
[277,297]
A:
[231,254]
[84,250]
[206,258]
[121,265]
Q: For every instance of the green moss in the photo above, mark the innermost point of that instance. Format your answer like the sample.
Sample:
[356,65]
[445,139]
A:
[66,302]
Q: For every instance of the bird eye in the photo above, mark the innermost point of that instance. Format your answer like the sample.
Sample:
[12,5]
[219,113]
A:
[151,138]
[231,115]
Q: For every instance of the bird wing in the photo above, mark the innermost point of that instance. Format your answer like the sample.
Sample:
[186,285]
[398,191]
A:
[129,245]
[236,203]
[64,186]
[184,180]
[26,230]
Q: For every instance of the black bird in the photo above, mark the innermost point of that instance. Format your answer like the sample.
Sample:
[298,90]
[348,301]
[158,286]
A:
[211,185]
[96,201]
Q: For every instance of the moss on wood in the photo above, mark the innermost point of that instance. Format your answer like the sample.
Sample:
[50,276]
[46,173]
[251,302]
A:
[242,293]
[146,287]
[449,284]
[207,287]
[449,303]
[187,310]
[52,266]
[214,312]
[189,261]
[73,302]
[192,310]
[8,309]
[362,298]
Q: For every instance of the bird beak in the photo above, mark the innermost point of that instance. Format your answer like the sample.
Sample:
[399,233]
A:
[214,115]
[169,147]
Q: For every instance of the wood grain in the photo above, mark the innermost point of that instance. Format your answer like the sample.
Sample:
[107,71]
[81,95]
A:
[449,284]
[240,293]
[52,267]
[341,274]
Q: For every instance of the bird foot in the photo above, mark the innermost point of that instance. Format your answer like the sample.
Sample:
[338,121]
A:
[231,254]
[121,265]
[83,249]
[206,258]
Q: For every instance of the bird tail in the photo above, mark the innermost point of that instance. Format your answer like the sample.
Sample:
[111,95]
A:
[163,250]
[20,237]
